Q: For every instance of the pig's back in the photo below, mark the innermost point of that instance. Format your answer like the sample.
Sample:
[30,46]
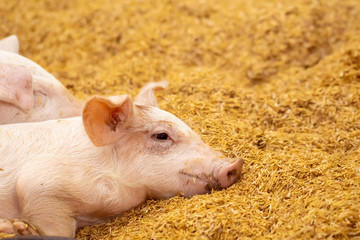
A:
[25,141]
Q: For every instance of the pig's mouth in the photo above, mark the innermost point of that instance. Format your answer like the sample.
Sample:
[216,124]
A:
[209,181]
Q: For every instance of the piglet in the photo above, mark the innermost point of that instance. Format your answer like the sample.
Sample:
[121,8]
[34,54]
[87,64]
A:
[28,92]
[60,175]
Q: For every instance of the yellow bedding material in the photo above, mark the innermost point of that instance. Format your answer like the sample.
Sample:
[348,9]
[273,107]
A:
[274,82]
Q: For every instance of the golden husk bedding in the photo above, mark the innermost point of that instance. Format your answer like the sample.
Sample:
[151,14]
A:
[276,83]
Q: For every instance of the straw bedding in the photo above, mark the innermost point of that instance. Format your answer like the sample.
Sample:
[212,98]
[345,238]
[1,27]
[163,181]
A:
[276,83]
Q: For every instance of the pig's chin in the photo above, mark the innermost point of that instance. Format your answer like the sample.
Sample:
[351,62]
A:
[197,183]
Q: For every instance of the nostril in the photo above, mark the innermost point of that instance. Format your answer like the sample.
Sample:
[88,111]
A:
[232,173]
[208,187]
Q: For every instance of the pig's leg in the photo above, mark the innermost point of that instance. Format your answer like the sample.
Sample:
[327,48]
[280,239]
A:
[44,204]
[16,227]
[6,226]
[50,217]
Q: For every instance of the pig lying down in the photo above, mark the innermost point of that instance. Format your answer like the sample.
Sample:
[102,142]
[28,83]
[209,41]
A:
[59,175]
[28,92]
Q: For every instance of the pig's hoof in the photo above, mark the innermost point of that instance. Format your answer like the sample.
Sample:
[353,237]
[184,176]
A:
[6,226]
[16,227]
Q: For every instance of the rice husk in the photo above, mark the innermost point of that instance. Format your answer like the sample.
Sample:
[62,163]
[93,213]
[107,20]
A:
[276,83]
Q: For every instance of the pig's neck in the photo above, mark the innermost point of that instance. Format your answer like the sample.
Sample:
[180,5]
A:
[107,190]
[104,188]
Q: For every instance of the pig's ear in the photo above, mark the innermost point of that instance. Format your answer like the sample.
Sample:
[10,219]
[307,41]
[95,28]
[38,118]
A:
[105,118]
[10,44]
[146,96]
[16,86]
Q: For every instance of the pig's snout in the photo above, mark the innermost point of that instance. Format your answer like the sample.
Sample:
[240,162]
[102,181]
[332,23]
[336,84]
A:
[229,173]
[222,176]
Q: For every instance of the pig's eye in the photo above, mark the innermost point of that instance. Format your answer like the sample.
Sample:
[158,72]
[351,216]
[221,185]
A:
[161,136]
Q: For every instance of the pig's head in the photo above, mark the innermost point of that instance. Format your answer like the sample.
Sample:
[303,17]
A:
[153,148]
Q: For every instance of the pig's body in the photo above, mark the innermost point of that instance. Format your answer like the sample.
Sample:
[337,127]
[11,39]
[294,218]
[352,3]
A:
[59,175]
[55,165]
[28,93]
